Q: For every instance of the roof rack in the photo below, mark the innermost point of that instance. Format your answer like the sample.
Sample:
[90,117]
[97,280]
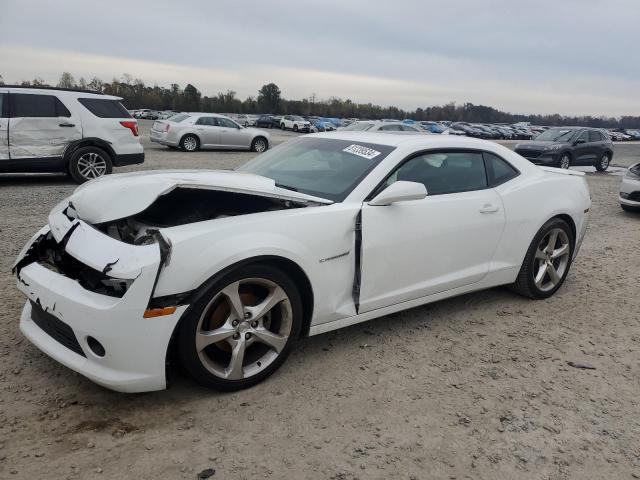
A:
[40,87]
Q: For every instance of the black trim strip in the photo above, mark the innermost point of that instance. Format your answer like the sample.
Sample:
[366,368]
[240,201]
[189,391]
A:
[357,277]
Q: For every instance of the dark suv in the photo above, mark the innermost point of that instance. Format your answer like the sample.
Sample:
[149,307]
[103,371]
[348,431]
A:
[566,146]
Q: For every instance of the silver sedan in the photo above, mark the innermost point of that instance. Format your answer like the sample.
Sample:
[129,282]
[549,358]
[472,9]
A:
[194,131]
[384,127]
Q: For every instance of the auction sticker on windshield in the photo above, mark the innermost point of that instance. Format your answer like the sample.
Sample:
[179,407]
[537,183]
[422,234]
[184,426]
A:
[364,152]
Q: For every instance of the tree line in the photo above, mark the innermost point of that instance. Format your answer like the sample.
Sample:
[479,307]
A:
[136,94]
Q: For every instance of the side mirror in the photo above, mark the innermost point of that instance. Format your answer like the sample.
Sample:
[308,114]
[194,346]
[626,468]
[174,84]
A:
[400,191]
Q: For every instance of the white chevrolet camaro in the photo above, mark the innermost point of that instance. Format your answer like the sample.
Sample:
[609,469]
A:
[231,268]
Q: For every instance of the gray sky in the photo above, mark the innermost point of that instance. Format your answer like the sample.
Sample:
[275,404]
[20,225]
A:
[545,56]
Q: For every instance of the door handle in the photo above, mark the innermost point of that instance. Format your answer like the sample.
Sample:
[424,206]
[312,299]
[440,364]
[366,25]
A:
[488,208]
[66,125]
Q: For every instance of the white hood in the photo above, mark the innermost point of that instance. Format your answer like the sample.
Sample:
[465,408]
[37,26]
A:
[122,195]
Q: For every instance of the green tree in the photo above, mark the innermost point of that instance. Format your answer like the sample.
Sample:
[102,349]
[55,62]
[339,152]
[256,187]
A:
[269,98]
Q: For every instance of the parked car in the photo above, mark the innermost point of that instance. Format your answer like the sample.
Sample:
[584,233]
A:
[268,121]
[194,131]
[566,146]
[629,197]
[382,126]
[243,120]
[321,125]
[277,244]
[295,123]
[634,134]
[79,132]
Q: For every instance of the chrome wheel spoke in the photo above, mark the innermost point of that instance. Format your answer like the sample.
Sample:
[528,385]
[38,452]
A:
[540,255]
[560,252]
[553,238]
[273,340]
[206,338]
[553,274]
[540,275]
[234,369]
[276,295]
[232,293]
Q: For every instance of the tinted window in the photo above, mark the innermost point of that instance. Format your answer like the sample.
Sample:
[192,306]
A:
[104,108]
[391,128]
[444,172]
[595,136]
[326,168]
[3,113]
[584,136]
[27,105]
[211,121]
[225,122]
[498,170]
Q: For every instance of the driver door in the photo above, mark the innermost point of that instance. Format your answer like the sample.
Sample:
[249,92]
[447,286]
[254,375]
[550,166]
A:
[417,248]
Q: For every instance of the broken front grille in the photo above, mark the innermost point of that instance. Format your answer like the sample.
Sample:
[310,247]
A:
[55,328]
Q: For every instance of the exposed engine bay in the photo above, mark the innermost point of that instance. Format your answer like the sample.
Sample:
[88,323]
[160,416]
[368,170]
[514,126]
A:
[182,206]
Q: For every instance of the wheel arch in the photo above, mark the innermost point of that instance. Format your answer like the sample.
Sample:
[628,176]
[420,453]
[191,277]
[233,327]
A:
[569,220]
[193,134]
[88,142]
[260,135]
[288,266]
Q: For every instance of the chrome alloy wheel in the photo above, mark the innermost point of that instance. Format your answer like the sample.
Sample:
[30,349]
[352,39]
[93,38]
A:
[190,144]
[604,162]
[551,259]
[259,145]
[92,165]
[564,162]
[243,329]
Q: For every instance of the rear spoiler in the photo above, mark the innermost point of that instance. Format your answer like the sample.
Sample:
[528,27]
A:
[562,171]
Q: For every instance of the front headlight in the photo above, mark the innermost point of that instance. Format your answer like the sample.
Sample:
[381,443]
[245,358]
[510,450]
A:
[633,172]
[553,147]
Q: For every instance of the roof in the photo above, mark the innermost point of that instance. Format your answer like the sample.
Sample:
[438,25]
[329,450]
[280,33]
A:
[392,140]
[38,87]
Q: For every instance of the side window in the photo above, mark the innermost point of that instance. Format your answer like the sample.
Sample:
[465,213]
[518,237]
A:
[61,110]
[225,122]
[595,136]
[408,128]
[583,137]
[3,105]
[498,170]
[391,128]
[28,105]
[444,172]
[211,121]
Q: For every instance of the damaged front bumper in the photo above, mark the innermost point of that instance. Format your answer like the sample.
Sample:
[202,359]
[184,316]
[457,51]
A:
[85,287]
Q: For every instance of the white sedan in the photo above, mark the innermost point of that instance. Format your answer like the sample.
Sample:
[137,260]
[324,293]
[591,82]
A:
[231,268]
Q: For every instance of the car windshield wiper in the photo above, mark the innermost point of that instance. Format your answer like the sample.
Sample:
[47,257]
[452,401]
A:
[287,187]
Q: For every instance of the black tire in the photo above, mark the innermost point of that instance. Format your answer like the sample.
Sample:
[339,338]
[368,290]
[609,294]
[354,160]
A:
[187,351]
[295,128]
[282,127]
[629,208]
[187,142]
[603,162]
[525,282]
[257,142]
[565,161]
[101,161]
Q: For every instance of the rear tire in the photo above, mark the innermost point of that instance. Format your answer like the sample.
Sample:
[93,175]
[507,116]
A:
[545,266]
[88,163]
[190,143]
[602,164]
[248,348]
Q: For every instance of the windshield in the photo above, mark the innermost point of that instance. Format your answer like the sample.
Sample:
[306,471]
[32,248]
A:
[555,135]
[359,126]
[178,118]
[321,167]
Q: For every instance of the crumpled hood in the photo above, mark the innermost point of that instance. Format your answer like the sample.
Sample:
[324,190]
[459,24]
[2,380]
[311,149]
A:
[117,196]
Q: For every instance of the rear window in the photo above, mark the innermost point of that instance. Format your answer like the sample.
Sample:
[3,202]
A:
[104,108]
[34,106]
[178,118]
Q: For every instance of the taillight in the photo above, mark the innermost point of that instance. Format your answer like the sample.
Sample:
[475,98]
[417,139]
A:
[133,126]
[166,128]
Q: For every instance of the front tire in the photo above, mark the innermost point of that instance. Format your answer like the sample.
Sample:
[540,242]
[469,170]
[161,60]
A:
[547,262]
[241,329]
[565,161]
[259,145]
[602,164]
[282,127]
[295,128]
[190,143]
[88,163]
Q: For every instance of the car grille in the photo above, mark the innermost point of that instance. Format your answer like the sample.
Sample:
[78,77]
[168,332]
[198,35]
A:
[55,328]
[529,153]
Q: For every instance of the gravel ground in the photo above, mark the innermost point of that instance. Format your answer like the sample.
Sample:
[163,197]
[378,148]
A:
[476,386]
